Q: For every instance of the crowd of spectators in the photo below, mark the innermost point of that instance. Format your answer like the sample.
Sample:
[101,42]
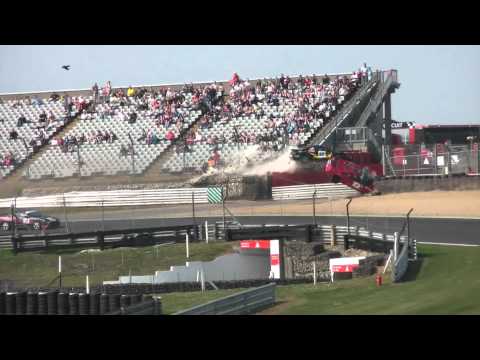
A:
[7,159]
[69,143]
[41,126]
[311,99]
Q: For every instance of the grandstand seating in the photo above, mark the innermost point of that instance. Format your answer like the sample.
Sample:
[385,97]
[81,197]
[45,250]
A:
[104,158]
[199,153]
[297,104]
[21,148]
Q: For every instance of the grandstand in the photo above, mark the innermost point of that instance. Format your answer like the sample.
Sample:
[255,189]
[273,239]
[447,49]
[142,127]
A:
[177,129]
[30,135]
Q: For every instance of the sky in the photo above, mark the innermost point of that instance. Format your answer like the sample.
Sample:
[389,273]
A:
[439,84]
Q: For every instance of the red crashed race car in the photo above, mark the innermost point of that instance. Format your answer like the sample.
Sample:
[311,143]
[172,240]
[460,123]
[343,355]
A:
[28,219]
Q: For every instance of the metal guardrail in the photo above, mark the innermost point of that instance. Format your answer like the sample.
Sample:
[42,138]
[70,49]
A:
[112,198]
[101,239]
[166,235]
[301,192]
[242,303]
[400,266]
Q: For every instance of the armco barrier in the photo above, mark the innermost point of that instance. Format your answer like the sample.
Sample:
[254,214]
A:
[401,265]
[104,239]
[245,302]
[112,198]
[302,192]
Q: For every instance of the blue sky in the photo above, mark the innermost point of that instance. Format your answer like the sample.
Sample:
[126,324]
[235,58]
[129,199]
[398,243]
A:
[439,84]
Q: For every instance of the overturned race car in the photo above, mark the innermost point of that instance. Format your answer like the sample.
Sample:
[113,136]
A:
[314,152]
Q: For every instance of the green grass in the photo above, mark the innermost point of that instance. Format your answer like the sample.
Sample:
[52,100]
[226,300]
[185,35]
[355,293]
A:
[37,269]
[448,282]
[174,302]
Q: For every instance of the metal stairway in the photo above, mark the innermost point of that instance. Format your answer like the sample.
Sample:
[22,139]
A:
[385,87]
[347,114]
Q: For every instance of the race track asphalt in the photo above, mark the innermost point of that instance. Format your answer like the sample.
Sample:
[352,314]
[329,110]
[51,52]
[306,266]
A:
[435,230]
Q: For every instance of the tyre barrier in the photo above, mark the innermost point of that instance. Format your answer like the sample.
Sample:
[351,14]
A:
[73,301]
[94,304]
[83,304]
[125,300]
[63,304]
[2,303]
[10,308]
[21,303]
[52,303]
[104,305]
[32,303]
[42,303]
[114,302]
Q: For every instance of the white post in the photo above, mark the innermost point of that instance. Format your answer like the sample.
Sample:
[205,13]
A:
[60,264]
[87,286]
[202,277]
[395,246]
[206,231]
[314,274]
[388,262]
[186,246]
[198,276]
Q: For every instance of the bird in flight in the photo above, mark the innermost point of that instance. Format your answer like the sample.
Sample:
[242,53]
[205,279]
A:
[66,67]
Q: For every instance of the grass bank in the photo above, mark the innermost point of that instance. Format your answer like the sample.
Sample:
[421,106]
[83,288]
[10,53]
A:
[37,269]
[446,280]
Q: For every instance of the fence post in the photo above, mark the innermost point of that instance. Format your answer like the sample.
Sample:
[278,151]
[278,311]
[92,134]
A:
[395,246]
[157,306]
[100,240]
[333,239]
[418,164]
[206,231]
[348,216]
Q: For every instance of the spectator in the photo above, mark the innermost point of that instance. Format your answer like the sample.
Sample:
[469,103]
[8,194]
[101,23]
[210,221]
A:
[54,97]
[131,91]
[235,79]
[107,89]
[132,118]
[13,134]
[326,80]
[21,120]
[170,136]
[95,93]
